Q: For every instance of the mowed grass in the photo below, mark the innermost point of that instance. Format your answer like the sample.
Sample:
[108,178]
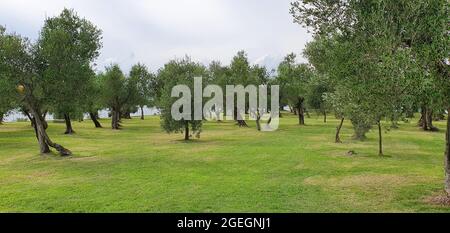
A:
[229,169]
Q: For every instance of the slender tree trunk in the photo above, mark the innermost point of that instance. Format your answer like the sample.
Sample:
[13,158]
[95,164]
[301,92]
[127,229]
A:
[447,155]
[1,118]
[300,111]
[94,118]
[142,112]
[69,129]
[186,131]
[301,116]
[258,121]
[338,131]
[380,140]
[324,117]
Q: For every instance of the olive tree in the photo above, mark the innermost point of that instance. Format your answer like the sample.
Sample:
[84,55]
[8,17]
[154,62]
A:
[22,71]
[66,48]
[179,72]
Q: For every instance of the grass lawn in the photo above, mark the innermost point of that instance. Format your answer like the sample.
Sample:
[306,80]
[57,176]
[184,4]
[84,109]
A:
[229,169]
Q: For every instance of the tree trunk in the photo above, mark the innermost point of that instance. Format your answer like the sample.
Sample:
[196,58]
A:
[115,118]
[300,111]
[258,121]
[426,119]
[94,118]
[1,118]
[69,129]
[301,116]
[429,117]
[186,131]
[43,138]
[380,140]
[422,121]
[338,131]
[447,155]
[142,113]
[324,117]
[242,122]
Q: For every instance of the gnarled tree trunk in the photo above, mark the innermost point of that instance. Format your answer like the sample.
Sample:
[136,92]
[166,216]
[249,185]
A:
[426,119]
[115,118]
[338,131]
[43,138]
[447,155]
[69,129]
[94,118]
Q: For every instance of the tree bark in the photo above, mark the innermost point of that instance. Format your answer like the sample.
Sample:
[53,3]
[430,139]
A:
[42,136]
[69,129]
[258,121]
[429,118]
[242,122]
[300,111]
[115,118]
[1,118]
[186,131]
[324,117]
[426,119]
[380,140]
[447,155]
[142,112]
[338,131]
[94,118]
[301,116]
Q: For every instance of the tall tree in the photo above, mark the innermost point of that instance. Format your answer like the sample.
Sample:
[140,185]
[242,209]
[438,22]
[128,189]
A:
[19,68]
[294,79]
[114,92]
[93,99]
[67,46]
[179,72]
[144,81]
[405,42]
[318,87]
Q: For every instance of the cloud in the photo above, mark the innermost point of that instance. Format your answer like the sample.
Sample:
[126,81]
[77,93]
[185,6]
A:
[155,31]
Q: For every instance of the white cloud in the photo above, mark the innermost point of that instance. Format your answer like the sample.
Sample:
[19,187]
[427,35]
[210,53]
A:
[158,30]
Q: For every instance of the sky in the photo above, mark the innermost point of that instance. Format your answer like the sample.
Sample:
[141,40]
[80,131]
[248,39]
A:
[154,31]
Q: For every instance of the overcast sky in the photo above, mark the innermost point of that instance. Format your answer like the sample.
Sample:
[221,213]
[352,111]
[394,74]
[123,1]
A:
[155,31]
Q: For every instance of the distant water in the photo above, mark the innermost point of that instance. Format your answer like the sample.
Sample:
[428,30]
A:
[16,115]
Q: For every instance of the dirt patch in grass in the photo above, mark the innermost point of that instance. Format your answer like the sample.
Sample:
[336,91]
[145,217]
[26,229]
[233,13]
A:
[372,180]
[439,199]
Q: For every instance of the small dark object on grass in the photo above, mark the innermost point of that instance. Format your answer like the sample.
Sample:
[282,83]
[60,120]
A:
[351,152]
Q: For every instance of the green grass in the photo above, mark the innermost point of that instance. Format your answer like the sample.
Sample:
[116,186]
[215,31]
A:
[229,169]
